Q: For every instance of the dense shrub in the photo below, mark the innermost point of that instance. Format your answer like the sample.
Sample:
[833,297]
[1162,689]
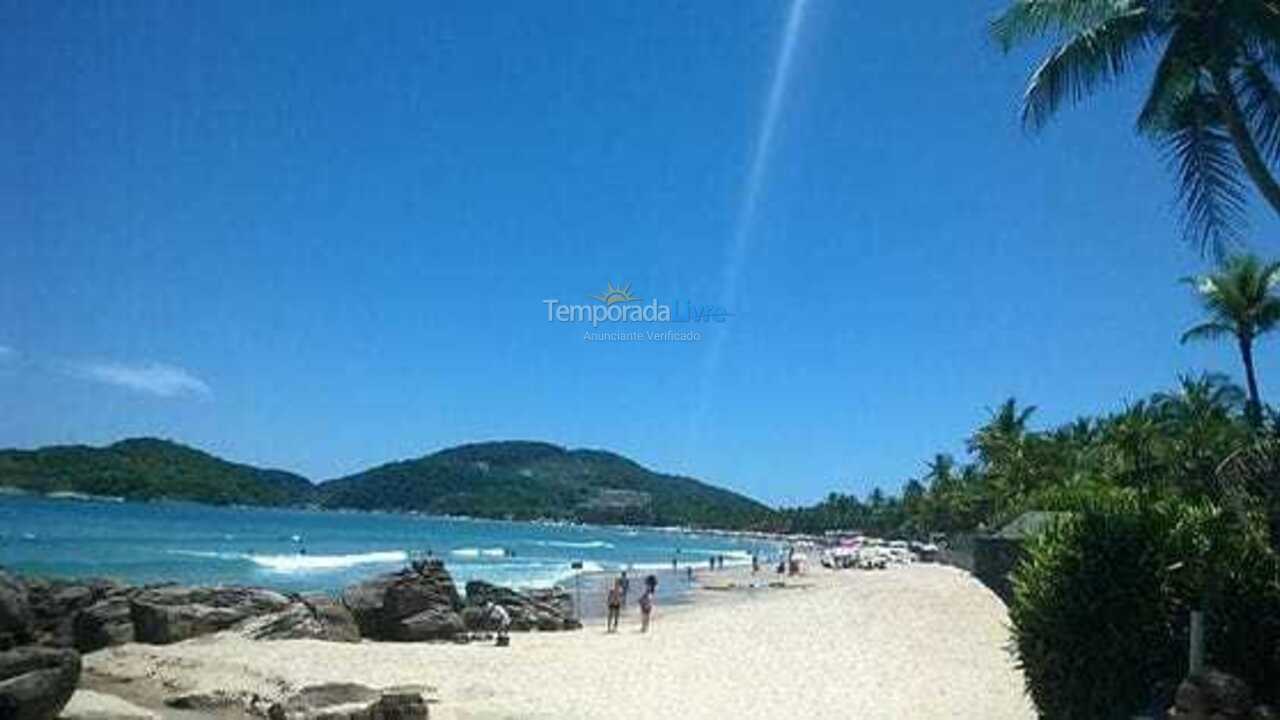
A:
[1101,605]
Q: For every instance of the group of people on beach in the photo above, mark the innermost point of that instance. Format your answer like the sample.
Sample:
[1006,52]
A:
[616,599]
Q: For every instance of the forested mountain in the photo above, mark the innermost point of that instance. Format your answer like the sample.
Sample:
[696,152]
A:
[148,469]
[525,480]
[521,480]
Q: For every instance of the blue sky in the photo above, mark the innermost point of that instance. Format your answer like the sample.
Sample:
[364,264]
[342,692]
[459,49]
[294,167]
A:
[319,235]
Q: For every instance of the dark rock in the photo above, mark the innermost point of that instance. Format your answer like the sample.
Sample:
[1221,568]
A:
[338,622]
[540,609]
[440,623]
[349,701]
[104,624]
[172,614]
[557,598]
[36,682]
[424,593]
[15,612]
[205,701]
[55,604]
[318,617]
[399,706]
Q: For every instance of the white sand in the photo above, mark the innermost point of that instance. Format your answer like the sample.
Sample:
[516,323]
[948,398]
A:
[920,641]
[90,705]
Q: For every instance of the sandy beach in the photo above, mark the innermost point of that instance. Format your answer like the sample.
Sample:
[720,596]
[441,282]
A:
[920,641]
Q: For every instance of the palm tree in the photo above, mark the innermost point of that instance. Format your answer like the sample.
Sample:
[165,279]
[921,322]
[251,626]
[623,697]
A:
[1241,304]
[1002,450]
[1003,432]
[1200,427]
[1212,91]
[1132,441]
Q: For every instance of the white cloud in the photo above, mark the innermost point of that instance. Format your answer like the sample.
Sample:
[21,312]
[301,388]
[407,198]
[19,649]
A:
[153,378]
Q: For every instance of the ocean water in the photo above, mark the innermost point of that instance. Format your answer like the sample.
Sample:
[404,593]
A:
[301,550]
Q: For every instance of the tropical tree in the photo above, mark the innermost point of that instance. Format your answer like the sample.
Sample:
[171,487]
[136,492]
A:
[1003,448]
[1200,427]
[1241,304]
[1213,90]
[1132,441]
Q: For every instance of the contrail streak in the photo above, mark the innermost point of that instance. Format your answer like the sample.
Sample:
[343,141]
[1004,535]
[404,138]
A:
[760,160]
[740,244]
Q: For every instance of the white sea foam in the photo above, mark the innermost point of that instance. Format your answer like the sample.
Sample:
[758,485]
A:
[303,563]
[479,552]
[575,545]
[521,574]
[209,554]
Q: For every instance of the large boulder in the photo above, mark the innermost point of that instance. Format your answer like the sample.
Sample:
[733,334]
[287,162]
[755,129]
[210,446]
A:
[172,614]
[440,623]
[349,701]
[36,682]
[395,706]
[317,617]
[417,603]
[105,623]
[15,612]
[550,609]
[55,604]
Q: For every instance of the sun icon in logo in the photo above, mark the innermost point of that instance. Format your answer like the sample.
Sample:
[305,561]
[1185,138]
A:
[614,295]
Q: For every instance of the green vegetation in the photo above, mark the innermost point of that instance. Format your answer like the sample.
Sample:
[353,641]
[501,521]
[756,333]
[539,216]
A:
[527,480]
[519,480]
[1101,605]
[149,469]
[1212,106]
[1168,445]
[1169,504]
[1240,306]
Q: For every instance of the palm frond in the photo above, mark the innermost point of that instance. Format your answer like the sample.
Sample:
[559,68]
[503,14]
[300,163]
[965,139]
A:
[1267,316]
[1028,19]
[1077,67]
[1256,23]
[1207,331]
[1260,102]
[1210,188]
[1177,76]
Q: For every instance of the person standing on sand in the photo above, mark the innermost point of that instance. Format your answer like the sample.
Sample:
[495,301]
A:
[614,603]
[626,587]
[646,609]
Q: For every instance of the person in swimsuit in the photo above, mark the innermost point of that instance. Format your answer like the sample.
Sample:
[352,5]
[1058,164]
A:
[614,603]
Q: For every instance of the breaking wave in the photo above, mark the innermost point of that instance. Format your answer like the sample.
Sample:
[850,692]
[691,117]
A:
[303,563]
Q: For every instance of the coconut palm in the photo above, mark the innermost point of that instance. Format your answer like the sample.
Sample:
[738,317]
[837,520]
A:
[1241,304]
[1213,90]
[1200,426]
[1003,433]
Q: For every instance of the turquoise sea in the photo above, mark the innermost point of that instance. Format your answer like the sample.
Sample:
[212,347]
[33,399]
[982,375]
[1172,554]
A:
[322,550]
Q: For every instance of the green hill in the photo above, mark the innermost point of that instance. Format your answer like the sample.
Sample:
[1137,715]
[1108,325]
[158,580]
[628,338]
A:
[527,480]
[148,469]
[518,480]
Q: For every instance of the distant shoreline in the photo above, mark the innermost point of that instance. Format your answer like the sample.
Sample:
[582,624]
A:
[10,491]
